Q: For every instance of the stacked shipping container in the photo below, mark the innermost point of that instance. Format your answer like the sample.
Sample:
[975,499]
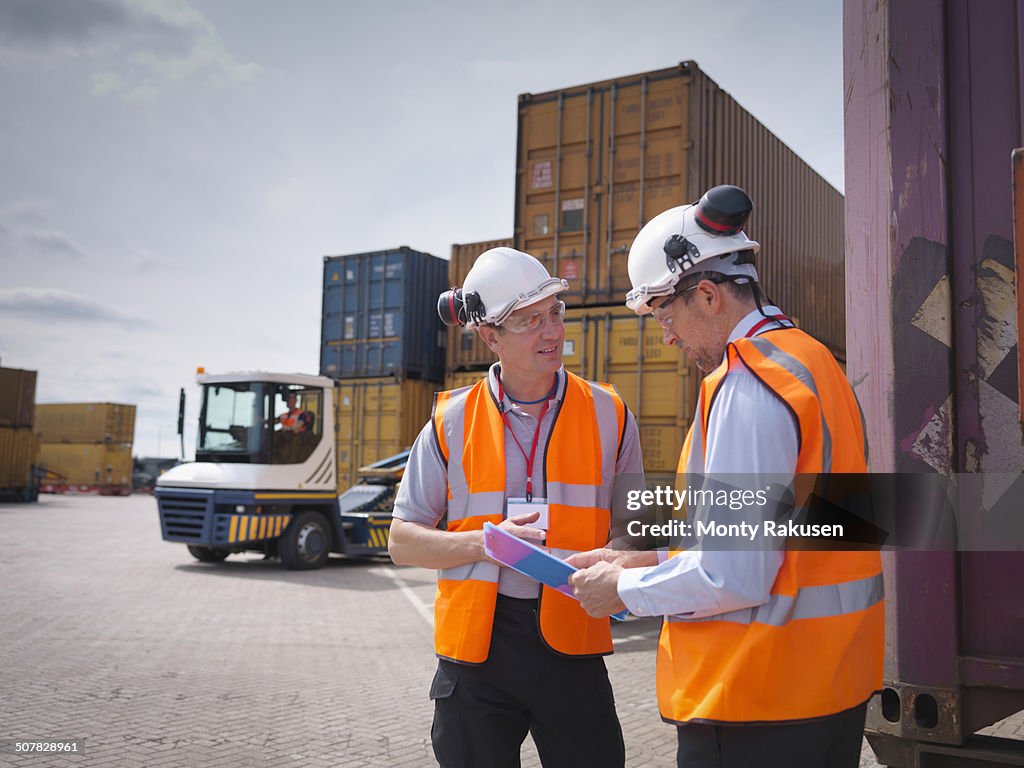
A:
[88,445]
[597,161]
[19,446]
[383,343]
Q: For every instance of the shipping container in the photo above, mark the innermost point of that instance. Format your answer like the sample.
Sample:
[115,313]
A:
[465,349]
[377,418]
[19,454]
[596,162]
[17,397]
[658,383]
[459,379]
[380,315]
[85,423]
[92,467]
[932,119]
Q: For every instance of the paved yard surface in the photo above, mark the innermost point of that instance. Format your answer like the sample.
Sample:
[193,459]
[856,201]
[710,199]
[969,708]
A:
[114,637]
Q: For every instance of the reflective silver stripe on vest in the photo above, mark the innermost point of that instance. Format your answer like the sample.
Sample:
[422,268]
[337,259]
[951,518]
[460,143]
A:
[695,460]
[809,603]
[478,571]
[608,429]
[802,374]
[572,494]
[462,503]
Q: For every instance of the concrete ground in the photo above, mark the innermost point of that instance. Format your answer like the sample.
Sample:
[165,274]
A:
[118,639]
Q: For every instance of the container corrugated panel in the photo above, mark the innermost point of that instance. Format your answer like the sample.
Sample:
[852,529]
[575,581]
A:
[19,450]
[465,349]
[89,464]
[657,382]
[380,315]
[17,397]
[798,217]
[85,423]
[597,161]
[377,418]
[459,379]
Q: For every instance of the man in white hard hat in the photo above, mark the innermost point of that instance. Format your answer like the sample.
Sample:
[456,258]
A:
[768,654]
[539,452]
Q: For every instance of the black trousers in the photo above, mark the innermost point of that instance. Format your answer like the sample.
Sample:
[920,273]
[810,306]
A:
[483,712]
[831,742]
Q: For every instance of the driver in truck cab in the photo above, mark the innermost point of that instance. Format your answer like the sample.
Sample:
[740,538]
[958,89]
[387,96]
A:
[295,419]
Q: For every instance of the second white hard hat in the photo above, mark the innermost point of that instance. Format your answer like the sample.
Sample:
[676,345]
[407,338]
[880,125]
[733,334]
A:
[707,237]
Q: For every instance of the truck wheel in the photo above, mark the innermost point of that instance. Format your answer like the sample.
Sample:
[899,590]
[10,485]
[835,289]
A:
[208,554]
[306,542]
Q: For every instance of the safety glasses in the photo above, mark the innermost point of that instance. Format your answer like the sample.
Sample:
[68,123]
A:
[535,320]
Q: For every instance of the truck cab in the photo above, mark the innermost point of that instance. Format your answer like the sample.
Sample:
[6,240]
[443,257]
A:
[265,476]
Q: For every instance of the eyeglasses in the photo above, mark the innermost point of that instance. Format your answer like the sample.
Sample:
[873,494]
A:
[535,320]
[658,312]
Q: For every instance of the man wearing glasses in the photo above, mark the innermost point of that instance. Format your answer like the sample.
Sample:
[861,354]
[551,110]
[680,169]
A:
[538,452]
[768,654]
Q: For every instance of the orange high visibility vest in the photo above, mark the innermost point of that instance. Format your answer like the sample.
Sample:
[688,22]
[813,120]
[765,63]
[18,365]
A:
[816,647]
[579,470]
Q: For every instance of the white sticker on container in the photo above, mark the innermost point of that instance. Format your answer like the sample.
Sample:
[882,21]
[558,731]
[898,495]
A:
[574,204]
[541,176]
[568,348]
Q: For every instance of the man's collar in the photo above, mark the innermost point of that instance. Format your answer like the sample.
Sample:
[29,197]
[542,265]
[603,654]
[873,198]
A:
[742,328]
[492,382]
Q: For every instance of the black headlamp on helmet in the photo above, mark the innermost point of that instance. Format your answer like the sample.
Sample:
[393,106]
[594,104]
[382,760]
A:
[722,211]
[457,307]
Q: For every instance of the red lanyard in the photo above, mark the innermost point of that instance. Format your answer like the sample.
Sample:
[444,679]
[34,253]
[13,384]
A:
[764,321]
[536,438]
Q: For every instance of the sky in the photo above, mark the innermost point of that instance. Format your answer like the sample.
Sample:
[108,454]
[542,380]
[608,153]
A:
[174,171]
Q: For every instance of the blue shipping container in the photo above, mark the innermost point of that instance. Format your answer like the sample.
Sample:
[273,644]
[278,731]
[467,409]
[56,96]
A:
[380,315]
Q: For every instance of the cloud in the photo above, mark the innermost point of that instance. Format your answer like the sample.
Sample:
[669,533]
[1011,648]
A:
[53,243]
[56,22]
[106,82]
[54,305]
[47,243]
[140,44]
[149,263]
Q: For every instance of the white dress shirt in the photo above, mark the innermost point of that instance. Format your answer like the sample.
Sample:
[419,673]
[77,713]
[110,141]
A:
[750,432]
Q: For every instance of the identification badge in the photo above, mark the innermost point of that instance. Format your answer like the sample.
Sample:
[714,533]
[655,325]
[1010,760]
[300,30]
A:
[517,507]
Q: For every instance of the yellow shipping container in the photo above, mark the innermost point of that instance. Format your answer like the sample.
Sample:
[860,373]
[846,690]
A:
[465,349]
[85,423]
[106,467]
[595,162]
[19,450]
[657,382]
[377,418]
[17,397]
[459,379]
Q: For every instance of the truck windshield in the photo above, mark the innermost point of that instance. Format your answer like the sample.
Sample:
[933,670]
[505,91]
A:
[234,423]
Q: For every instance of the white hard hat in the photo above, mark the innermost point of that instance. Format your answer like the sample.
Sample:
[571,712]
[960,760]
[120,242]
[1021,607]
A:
[500,281]
[705,237]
